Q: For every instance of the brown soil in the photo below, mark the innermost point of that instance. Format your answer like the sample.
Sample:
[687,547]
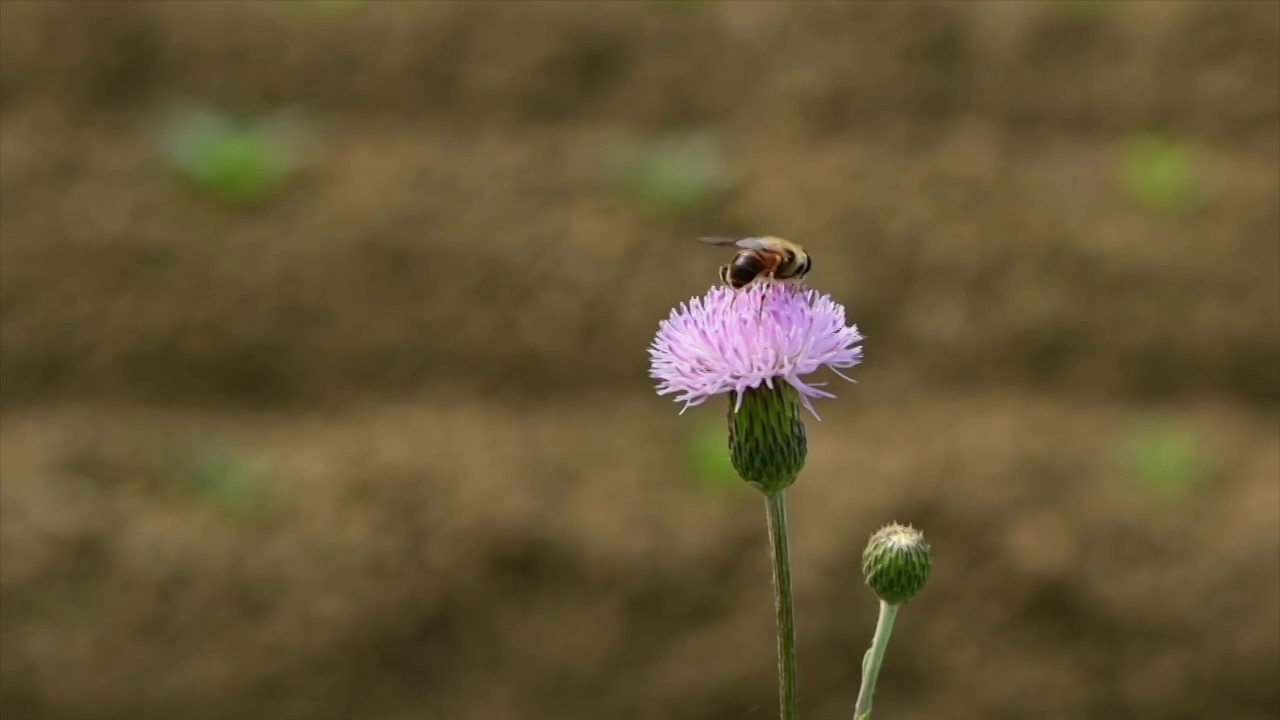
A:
[431,353]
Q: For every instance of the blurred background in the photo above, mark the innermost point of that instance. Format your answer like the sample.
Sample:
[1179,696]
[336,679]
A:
[324,369]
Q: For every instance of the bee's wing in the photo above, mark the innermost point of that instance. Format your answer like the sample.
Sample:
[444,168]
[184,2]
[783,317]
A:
[746,243]
[755,243]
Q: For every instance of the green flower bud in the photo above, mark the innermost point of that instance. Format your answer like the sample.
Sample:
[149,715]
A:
[767,444]
[896,563]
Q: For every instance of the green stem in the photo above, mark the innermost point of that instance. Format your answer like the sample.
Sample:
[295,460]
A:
[873,659]
[780,551]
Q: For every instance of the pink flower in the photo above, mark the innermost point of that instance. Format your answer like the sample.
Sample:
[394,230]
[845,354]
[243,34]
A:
[733,340]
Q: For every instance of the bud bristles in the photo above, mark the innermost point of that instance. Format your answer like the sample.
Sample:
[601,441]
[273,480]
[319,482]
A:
[897,563]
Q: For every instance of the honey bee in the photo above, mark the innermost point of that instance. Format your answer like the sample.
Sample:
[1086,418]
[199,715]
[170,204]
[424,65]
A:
[762,258]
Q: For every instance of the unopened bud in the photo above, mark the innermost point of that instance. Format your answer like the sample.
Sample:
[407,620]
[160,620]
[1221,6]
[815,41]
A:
[897,563]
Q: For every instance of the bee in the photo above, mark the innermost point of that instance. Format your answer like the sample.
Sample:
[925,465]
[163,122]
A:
[762,258]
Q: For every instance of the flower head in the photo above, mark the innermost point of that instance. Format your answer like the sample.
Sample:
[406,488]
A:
[897,563]
[736,340]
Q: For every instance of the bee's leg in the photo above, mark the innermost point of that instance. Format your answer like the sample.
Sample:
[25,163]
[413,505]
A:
[724,278]
[767,281]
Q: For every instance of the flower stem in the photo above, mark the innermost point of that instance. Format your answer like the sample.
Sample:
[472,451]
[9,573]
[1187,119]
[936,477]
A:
[874,658]
[779,550]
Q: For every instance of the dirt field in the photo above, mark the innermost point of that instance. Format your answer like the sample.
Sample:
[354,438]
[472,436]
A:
[385,448]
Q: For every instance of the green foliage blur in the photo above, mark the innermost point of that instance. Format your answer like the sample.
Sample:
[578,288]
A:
[1160,173]
[676,176]
[244,160]
[232,486]
[707,456]
[1167,460]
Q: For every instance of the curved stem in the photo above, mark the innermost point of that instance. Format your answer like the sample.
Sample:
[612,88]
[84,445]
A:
[873,659]
[780,551]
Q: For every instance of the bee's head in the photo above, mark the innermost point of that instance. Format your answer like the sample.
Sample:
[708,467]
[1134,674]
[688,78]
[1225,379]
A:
[798,265]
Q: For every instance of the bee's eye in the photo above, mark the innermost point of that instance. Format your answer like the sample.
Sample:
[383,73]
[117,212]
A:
[808,263]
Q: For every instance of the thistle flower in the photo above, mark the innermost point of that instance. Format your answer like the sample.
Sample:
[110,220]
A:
[730,341]
[756,346]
